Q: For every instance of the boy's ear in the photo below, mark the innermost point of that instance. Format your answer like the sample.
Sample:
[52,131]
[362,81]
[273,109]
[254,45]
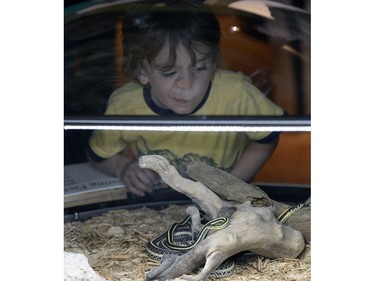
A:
[142,77]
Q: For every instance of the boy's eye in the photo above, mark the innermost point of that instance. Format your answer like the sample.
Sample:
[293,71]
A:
[201,68]
[168,74]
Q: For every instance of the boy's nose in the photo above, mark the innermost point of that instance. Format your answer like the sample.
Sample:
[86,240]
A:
[185,81]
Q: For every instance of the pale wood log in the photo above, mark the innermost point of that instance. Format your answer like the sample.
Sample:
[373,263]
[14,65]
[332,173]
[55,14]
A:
[195,190]
[250,228]
[232,188]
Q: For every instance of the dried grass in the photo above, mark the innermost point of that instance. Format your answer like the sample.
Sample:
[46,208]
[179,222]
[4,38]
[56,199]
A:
[114,244]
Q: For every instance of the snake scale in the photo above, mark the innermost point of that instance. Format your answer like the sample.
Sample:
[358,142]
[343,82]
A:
[179,239]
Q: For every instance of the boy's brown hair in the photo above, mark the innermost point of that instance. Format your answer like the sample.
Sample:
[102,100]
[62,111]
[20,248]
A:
[148,27]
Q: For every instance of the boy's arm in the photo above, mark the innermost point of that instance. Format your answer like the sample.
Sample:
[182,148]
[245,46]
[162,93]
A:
[254,157]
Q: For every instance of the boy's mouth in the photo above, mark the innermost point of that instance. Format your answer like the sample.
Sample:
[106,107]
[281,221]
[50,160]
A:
[182,101]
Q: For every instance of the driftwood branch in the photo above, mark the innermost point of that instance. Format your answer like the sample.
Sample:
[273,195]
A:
[195,190]
[250,228]
[232,188]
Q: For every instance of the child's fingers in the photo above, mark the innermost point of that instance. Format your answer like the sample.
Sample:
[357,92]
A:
[140,180]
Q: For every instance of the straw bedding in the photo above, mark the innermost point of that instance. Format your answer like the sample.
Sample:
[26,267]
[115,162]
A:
[114,244]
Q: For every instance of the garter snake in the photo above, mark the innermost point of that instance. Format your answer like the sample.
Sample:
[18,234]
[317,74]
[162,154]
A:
[179,239]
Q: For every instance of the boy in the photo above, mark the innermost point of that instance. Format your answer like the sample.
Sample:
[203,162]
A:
[173,58]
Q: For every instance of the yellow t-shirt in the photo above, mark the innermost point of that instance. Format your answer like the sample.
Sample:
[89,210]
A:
[231,94]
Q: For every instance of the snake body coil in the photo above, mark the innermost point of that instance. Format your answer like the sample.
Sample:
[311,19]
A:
[179,239]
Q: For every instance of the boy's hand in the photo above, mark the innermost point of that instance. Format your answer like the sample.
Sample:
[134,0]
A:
[138,180]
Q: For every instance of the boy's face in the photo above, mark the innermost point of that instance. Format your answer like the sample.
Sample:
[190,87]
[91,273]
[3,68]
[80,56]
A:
[182,87]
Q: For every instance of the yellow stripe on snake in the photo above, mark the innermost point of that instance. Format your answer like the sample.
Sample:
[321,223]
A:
[179,239]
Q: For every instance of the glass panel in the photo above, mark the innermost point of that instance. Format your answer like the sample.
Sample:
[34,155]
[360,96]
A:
[272,47]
